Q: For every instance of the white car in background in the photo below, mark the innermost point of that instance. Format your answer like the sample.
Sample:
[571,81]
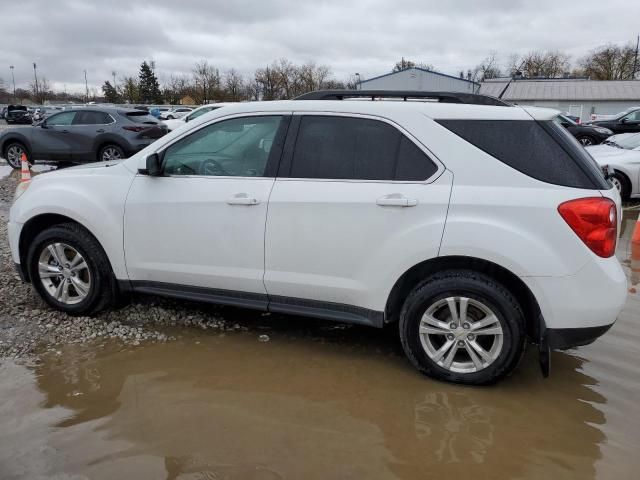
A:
[178,122]
[176,112]
[622,154]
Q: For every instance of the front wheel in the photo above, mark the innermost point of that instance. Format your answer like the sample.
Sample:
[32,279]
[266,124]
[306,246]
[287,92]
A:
[462,326]
[622,184]
[13,153]
[586,140]
[70,271]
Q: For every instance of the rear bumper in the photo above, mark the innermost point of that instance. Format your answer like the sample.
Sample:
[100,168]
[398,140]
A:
[563,338]
[592,298]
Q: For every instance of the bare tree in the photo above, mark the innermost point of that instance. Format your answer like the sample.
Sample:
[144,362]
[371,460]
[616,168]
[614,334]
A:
[207,83]
[128,89]
[486,69]
[41,91]
[610,62]
[269,84]
[549,64]
[175,89]
[234,86]
[403,64]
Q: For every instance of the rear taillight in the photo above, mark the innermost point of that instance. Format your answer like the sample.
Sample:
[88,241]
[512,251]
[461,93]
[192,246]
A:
[135,128]
[595,221]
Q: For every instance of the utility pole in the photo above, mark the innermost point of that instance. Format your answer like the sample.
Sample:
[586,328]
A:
[86,88]
[359,84]
[635,59]
[35,75]
[113,72]
[14,82]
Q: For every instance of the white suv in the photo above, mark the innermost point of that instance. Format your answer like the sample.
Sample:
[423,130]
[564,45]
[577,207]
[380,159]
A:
[475,226]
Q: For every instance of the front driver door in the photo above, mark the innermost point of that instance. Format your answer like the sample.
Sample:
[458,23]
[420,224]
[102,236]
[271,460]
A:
[201,224]
[50,140]
[630,123]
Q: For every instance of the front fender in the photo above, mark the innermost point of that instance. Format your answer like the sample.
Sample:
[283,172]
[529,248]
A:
[95,201]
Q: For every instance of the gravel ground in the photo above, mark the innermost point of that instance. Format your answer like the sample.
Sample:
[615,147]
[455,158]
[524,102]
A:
[27,324]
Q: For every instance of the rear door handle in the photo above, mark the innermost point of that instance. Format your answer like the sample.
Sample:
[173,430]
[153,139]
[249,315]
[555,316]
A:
[242,199]
[396,200]
[101,130]
[65,131]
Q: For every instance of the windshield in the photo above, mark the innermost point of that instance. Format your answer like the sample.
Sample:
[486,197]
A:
[628,143]
[560,119]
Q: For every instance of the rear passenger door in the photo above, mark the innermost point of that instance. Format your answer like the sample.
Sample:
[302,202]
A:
[86,129]
[357,201]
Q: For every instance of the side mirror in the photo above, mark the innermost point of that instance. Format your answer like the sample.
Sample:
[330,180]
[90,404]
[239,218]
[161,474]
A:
[624,120]
[152,166]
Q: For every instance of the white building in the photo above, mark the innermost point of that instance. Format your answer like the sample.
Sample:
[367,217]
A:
[419,79]
[581,98]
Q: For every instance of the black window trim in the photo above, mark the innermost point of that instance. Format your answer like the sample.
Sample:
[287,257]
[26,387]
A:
[286,164]
[273,161]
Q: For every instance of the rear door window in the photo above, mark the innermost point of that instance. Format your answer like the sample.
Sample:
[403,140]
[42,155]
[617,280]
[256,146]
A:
[344,148]
[92,118]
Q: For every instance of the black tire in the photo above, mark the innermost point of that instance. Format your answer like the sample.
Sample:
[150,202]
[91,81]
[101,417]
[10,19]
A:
[622,183]
[15,163]
[475,286]
[104,152]
[587,140]
[170,117]
[103,287]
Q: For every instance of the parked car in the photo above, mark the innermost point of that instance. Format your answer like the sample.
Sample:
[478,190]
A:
[573,118]
[44,112]
[176,112]
[622,154]
[178,122]
[474,228]
[585,134]
[82,135]
[625,122]
[17,114]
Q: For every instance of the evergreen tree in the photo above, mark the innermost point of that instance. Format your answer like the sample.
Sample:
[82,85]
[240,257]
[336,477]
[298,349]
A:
[148,85]
[110,93]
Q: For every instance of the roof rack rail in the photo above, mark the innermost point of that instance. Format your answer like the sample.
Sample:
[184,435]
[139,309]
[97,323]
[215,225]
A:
[442,97]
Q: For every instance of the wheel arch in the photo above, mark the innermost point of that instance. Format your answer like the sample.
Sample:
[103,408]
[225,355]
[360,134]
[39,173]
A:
[413,276]
[15,137]
[39,223]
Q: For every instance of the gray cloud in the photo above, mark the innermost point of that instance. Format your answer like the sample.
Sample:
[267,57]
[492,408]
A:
[66,37]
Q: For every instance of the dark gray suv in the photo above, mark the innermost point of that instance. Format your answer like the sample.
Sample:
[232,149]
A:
[82,135]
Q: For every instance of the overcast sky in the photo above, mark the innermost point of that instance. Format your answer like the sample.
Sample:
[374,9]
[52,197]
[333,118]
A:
[65,37]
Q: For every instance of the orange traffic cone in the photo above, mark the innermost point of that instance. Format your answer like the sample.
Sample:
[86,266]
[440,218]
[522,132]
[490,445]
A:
[25,172]
[635,248]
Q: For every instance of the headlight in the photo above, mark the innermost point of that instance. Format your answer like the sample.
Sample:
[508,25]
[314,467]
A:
[604,131]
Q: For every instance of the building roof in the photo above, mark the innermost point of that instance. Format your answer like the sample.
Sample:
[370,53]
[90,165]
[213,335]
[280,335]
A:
[424,70]
[563,90]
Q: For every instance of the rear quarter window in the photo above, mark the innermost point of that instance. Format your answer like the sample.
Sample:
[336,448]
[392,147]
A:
[541,150]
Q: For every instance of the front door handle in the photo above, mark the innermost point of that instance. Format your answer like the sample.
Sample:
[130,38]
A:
[100,130]
[396,200]
[64,131]
[242,199]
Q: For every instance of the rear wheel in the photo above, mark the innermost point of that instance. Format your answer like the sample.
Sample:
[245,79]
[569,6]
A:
[13,153]
[462,326]
[622,184]
[110,152]
[587,140]
[70,271]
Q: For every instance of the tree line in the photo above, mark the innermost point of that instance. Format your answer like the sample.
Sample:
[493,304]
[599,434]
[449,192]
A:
[283,79]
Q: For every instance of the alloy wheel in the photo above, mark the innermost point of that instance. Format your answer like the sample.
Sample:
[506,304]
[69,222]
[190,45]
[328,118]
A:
[111,153]
[14,155]
[461,334]
[615,181]
[64,273]
[586,141]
